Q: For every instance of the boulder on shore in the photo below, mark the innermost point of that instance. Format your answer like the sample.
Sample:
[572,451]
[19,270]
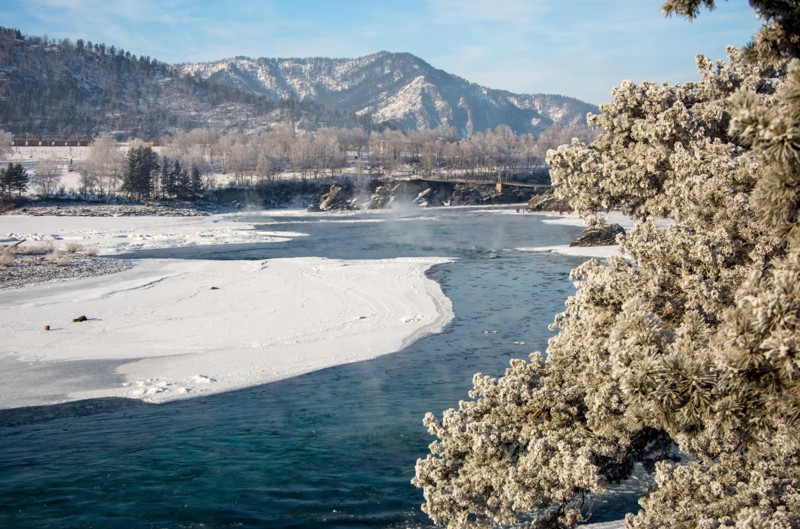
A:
[335,200]
[382,196]
[548,202]
[599,235]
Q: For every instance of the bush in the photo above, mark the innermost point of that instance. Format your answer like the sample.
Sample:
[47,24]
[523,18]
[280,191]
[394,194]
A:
[42,248]
[7,258]
[72,247]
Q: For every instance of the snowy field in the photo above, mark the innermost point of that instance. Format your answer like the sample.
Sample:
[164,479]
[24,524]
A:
[170,329]
[65,158]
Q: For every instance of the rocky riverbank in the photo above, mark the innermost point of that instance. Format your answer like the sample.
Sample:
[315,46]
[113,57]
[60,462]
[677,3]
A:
[103,209]
[423,193]
[20,270]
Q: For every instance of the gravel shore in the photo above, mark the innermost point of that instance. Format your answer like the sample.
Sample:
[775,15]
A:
[20,269]
[35,269]
[85,209]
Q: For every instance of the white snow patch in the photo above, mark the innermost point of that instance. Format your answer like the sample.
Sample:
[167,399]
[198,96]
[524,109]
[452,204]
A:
[181,328]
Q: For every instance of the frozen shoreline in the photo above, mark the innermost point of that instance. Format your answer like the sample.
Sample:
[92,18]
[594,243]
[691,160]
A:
[171,329]
[571,219]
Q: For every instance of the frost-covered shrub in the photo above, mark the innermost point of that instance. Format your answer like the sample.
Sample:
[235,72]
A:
[692,342]
[7,258]
[42,248]
[71,247]
[60,258]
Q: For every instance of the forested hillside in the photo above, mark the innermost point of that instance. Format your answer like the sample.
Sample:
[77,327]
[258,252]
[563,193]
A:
[83,89]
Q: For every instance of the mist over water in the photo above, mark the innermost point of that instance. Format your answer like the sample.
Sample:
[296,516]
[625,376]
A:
[335,448]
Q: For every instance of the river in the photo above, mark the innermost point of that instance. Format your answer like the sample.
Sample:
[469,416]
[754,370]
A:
[335,448]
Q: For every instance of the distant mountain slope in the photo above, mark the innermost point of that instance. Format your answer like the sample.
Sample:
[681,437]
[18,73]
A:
[80,89]
[395,88]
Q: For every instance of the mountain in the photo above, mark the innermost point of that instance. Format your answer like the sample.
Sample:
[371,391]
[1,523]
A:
[61,88]
[50,88]
[397,89]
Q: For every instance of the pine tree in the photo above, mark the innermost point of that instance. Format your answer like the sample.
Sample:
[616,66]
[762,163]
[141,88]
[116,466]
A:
[690,345]
[5,181]
[167,178]
[196,185]
[14,178]
[182,183]
[138,180]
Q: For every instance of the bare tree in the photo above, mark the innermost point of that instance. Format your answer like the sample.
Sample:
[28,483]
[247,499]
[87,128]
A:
[329,149]
[103,167]
[46,176]
[6,139]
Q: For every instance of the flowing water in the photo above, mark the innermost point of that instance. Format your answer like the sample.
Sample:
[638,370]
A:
[335,448]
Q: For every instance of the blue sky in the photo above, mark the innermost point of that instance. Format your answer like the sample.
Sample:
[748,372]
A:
[578,48]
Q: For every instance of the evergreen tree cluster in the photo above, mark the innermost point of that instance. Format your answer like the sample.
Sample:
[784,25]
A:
[13,178]
[683,357]
[143,166]
[146,177]
[177,182]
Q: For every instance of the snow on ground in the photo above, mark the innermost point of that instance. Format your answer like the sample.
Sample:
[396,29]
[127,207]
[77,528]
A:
[111,235]
[571,219]
[596,252]
[170,329]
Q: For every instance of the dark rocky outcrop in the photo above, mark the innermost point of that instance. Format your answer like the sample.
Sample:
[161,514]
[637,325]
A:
[408,192]
[599,234]
[428,193]
[336,199]
[548,202]
[382,197]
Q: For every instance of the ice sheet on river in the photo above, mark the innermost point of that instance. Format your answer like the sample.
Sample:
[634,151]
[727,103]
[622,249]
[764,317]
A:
[170,329]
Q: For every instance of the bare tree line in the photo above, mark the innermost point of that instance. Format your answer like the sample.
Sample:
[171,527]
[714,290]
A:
[283,153]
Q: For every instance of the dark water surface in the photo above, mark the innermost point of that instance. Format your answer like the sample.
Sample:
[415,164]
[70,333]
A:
[334,448]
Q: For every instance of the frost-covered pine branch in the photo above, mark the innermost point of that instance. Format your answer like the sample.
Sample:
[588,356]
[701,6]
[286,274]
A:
[693,341]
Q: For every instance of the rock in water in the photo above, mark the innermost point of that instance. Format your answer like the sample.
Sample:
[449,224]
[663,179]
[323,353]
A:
[599,235]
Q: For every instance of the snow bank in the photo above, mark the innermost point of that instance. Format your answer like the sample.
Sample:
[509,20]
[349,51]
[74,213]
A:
[170,329]
[571,219]
[111,235]
[597,252]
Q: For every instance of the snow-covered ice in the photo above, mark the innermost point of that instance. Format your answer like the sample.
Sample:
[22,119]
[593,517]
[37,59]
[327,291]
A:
[111,235]
[169,329]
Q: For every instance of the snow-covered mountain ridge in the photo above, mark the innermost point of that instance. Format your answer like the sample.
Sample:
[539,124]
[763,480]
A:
[396,88]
